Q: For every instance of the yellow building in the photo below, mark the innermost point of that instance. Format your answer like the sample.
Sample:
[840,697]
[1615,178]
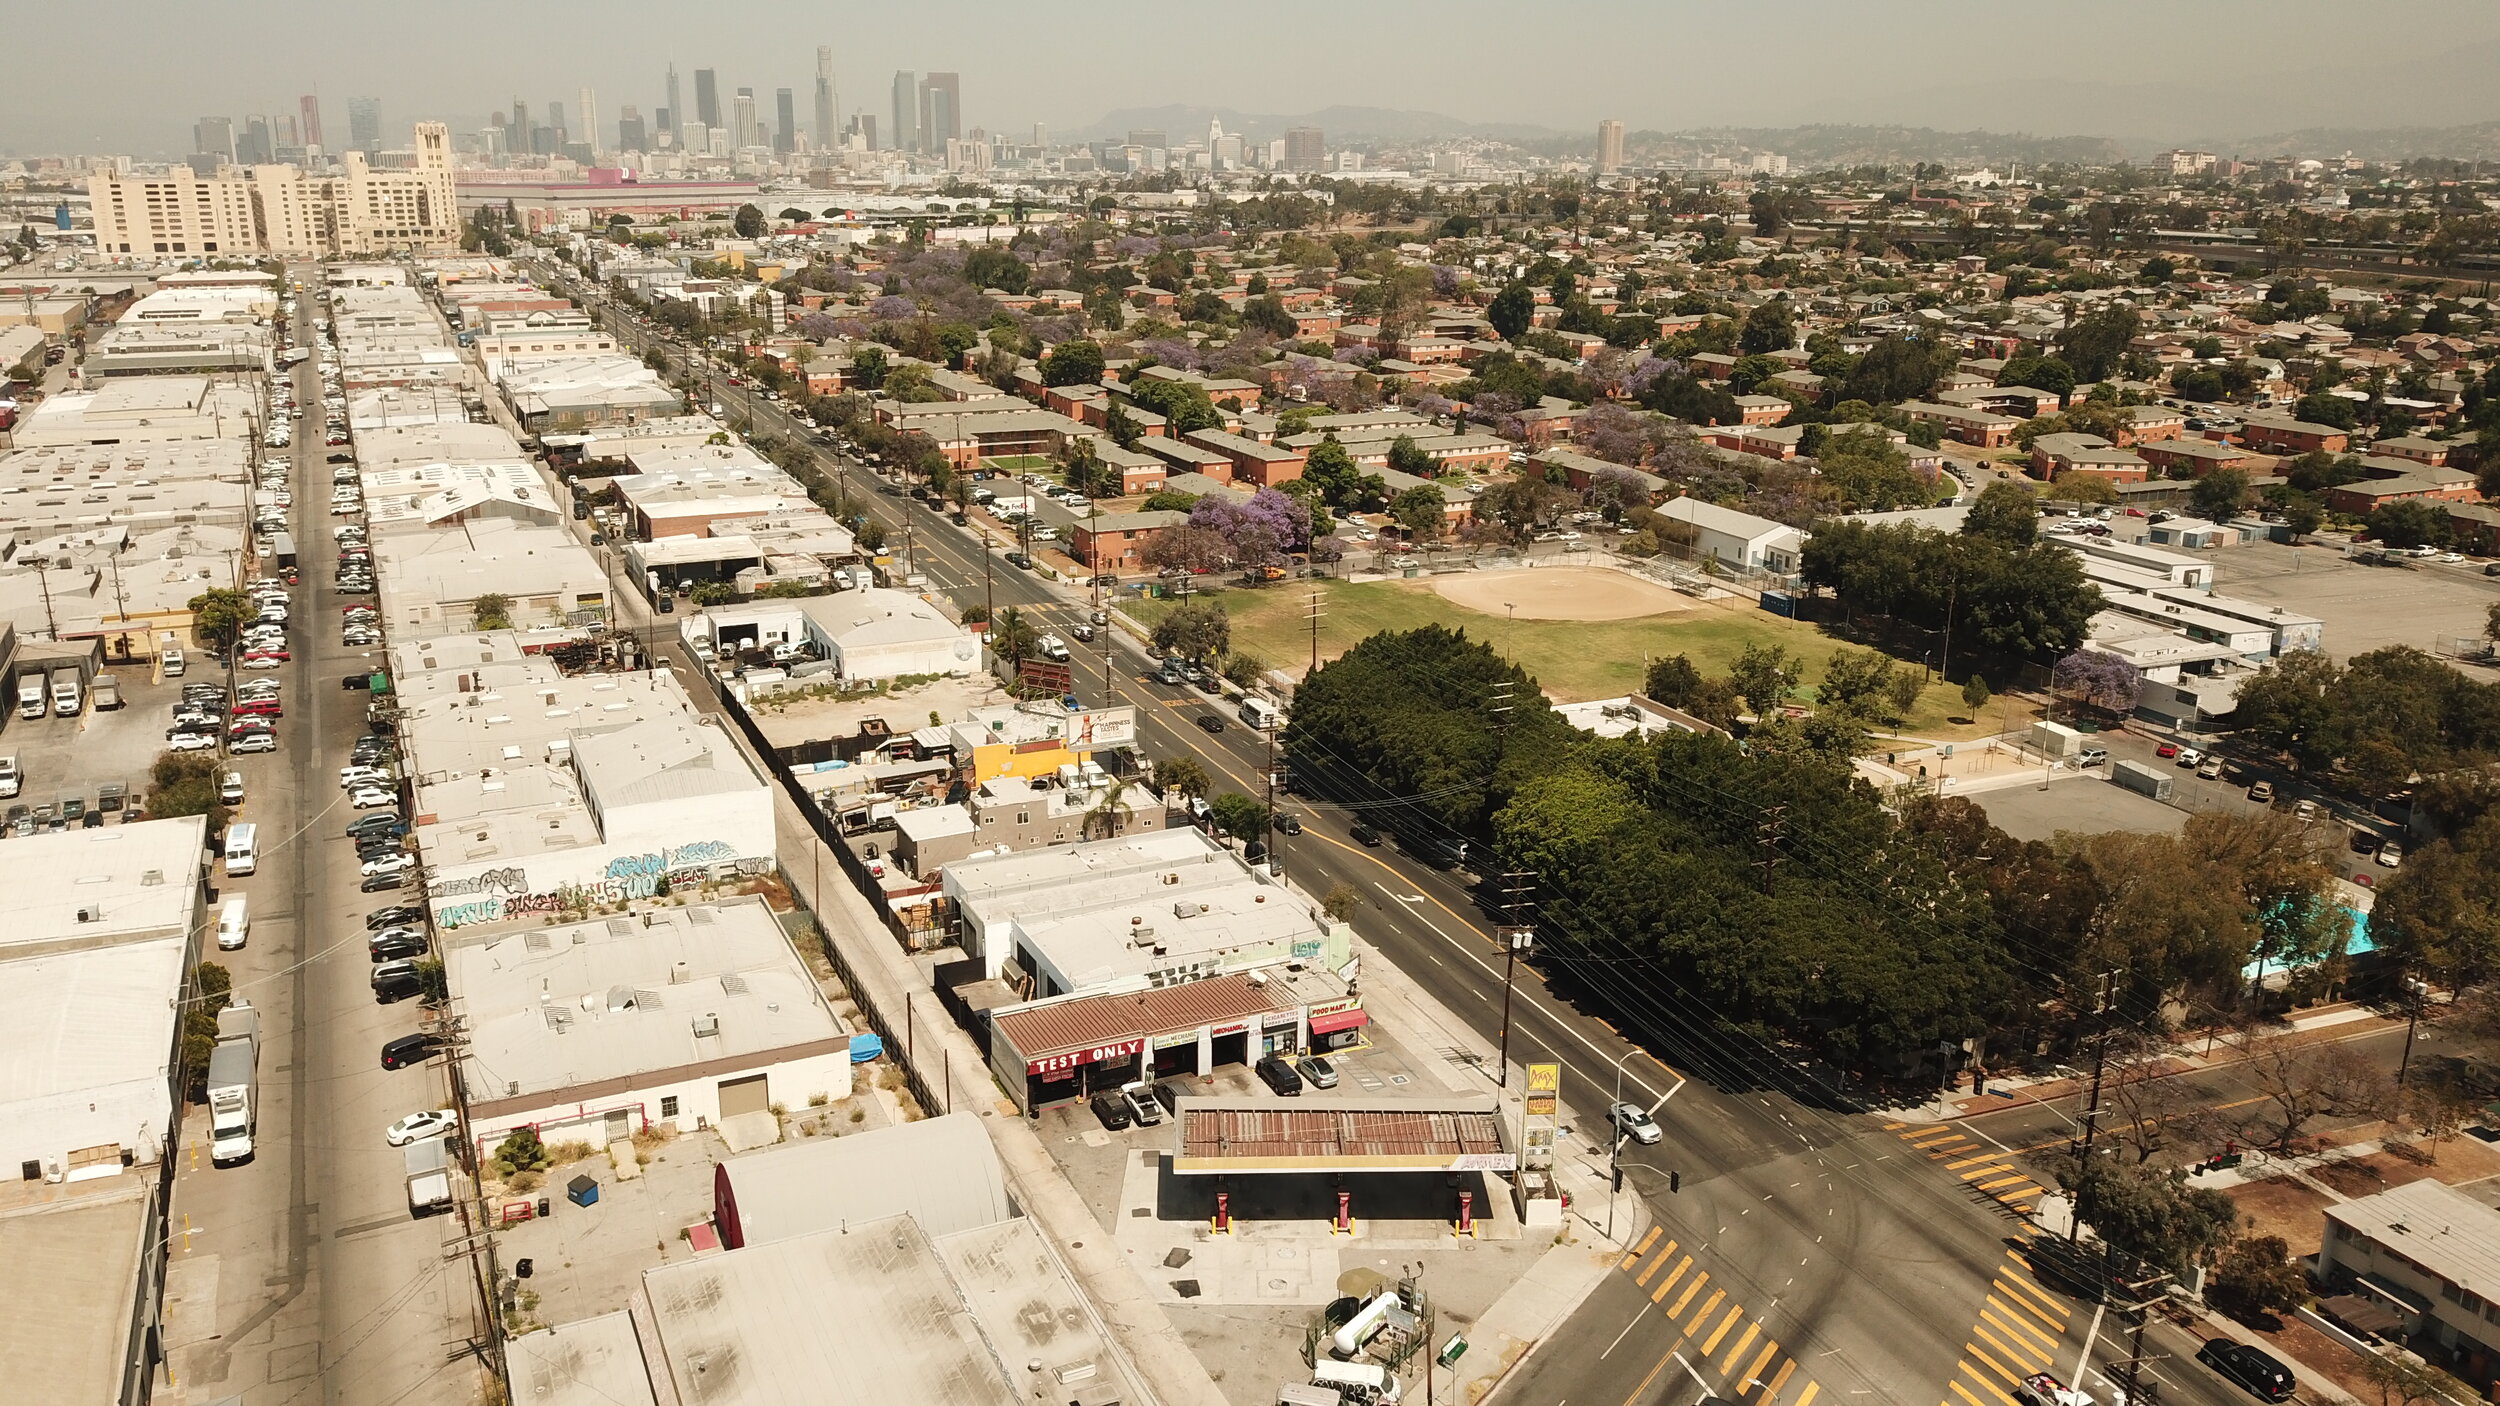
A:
[1036,739]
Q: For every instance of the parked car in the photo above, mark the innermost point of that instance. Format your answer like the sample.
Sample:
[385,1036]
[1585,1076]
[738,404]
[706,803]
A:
[1139,1097]
[1287,823]
[2166,750]
[2389,856]
[1316,1071]
[2262,792]
[407,1050]
[420,1125]
[1114,1111]
[1365,835]
[1278,1074]
[397,915]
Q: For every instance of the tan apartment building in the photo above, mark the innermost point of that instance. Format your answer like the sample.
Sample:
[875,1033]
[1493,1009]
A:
[281,210]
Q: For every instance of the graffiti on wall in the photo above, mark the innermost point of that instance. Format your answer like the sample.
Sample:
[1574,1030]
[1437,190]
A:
[494,895]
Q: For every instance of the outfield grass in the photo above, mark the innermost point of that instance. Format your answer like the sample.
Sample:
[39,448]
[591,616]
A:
[1572,661]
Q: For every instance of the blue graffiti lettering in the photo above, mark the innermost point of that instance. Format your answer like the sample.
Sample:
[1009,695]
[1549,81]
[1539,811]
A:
[700,852]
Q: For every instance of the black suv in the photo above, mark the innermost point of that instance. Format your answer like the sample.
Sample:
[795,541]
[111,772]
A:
[1113,1110]
[408,1050]
[1278,1073]
[2256,1370]
[393,916]
[396,944]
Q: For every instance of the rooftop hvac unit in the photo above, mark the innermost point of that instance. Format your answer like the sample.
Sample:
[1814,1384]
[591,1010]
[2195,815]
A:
[89,915]
[706,1025]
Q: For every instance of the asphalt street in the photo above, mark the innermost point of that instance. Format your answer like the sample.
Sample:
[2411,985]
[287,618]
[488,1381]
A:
[1823,1256]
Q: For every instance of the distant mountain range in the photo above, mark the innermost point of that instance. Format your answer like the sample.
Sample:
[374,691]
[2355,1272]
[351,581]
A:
[1809,147]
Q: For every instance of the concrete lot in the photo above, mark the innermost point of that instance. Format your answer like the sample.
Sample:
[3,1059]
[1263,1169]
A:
[73,756]
[2086,804]
[2364,607]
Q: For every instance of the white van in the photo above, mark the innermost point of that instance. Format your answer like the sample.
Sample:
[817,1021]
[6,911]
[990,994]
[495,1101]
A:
[242,849]
[230,790]
[10,778]
[234,924]
[1260,713]
[173,661]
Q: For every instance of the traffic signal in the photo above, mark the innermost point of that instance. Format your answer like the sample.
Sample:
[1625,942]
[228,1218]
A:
[1675,1181]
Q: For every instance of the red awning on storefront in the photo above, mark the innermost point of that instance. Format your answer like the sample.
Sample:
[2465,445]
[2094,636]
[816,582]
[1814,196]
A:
[1329,1024]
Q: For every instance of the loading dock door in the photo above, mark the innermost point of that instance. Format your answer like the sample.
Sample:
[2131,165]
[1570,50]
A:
[748,1095]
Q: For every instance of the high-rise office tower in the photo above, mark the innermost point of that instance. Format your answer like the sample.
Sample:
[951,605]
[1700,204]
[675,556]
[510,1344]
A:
[742,120]
[312,121]
[517,131]
[786,115]
[1609,147]
[906,133]
[364,125]
[675,112]
[941,110]
[1149,138]
[290,132]
[255,145]
[828,134]
[1041,134]
[213,136]
[706,97]
[556,126]
[630,135]
[1306,148]
[866,125]
[586,119]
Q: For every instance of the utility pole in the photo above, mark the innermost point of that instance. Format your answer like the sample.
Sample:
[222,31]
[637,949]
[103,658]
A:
[2105,996]
[1275,859]
[1312,610]
[1768,833]
[2416,991]
[1518,936]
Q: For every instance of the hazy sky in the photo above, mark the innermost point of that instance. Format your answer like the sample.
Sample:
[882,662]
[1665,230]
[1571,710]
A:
[132,75]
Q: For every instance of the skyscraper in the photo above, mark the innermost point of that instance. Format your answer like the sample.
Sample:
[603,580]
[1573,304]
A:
[630,135]
[586,119]
[706,97]
[1306,148]
[1609,147]
[255,145]
[675,112]
[214,136]
[364,125]
[556,125]
[312,121]
[941,110]
[517,132]
[786,115]
[906,133]
[827,134]
[742,120]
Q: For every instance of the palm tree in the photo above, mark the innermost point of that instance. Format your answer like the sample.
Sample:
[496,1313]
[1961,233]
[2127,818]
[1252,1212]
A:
[1105,817]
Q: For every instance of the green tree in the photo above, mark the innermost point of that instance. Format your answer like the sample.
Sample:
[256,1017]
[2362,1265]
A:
[1407,458]
[996,266]
[1267,314]
[2408,522]
[1672,680]
[1854,681]
[2005,512]
[1239,816]
[1075,362]
[1763,675]
[1770,327]
[1013,638]
[2256,1275]
[1512,311]
[2302,515]
[2219,495]
[521,1150]
[2151,1212]
[1975,694]
[1870,474]
[491,610]
[1182,776]
[1421,511]
[1121,426]
[868,364]
[1198,629]
[1902,692]
[218,615]
[2098,340]
[748,222]
[1342,902]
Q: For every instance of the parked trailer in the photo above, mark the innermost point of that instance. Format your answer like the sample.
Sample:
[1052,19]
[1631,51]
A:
[2142,779]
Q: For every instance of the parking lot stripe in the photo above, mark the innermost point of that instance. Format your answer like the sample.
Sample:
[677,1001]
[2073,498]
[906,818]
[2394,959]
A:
[1643,1248]
[1734,1312]
[1698,1280]
[1669,1282]
[1651,1271]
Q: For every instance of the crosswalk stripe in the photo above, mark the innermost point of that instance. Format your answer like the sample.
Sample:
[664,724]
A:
[2034,1295]
[1982,1157]
[1771,1391]
[2024,1302]
[1926,1135]
[1888,1127]
[1754,1372]
[1973,1350]
[2018,1322]
[2017,1344]
[1669,1282]
[1700,1279]
[1950,1147]
[1990,1387]
[2018,1354]
[1964,1392]
[1987,1171]
[1641,1249]
[2046,1330]
[1701,1315]
[1734,1312]
[1806,1397]
[2003,1181]
[1752,1331]
[1650,1271]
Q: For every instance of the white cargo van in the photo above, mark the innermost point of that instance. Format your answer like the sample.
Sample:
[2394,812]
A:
[1260,713]
[234,924]
[173,662]
[242,849]
[10,777]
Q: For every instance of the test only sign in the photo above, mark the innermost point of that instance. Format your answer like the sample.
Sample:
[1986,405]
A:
[1540,1115]
[1060,1064]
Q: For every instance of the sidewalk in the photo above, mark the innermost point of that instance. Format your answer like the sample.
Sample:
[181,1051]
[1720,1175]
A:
[1537,1304]
[2343,1020]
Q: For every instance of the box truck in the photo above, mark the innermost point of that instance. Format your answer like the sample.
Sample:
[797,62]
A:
[233,1079]
[32,702]
[68,694]
[429,1176]
[108,692]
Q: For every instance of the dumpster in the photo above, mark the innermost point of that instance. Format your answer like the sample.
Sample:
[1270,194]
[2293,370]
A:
[582,1190]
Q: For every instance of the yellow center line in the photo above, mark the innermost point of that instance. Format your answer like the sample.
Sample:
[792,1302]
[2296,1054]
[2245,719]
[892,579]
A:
[1651,1271]
[1643,1248]
[1698,1280]
[1734,1312]
[1669,1282]
[1771,1390]
[1744,1340]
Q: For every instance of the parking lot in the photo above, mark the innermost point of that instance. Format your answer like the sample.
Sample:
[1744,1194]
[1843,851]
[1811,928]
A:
[2422,604]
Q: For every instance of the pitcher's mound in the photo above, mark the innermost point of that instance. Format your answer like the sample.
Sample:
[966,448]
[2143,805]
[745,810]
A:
[1559,593]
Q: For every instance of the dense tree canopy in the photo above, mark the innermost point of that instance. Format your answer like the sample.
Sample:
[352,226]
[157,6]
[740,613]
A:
[2031,602]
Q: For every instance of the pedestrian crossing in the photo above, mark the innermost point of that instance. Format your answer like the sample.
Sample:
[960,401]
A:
[1988,1171]
[1713,1334]
[2018,1332]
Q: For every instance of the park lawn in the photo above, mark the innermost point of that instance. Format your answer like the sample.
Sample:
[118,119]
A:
[1016,463]
[1572,661]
